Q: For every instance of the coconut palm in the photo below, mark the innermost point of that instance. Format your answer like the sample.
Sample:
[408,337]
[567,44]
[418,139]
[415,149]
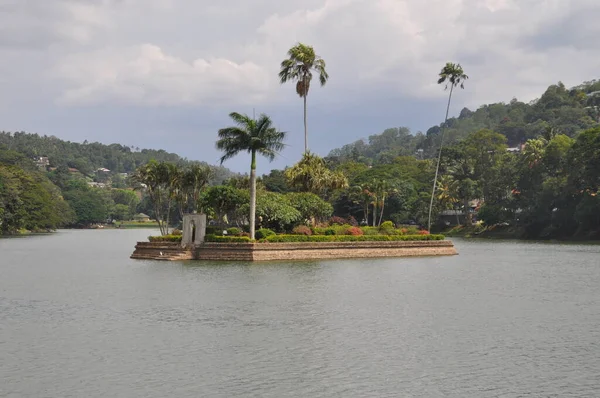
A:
[453,76]
[299,67]
[255,137]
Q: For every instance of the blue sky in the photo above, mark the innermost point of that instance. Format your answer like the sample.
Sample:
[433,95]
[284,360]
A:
[166,73]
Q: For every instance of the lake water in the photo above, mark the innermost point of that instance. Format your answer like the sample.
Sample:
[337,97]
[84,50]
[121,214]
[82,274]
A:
[78,318]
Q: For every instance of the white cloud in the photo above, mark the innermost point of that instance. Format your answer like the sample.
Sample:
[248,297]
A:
[146,75]
[174,52]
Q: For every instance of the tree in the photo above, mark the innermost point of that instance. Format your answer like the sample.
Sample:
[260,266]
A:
[311,174]
[452,75]
[299,67]
[161,181]
[253,136]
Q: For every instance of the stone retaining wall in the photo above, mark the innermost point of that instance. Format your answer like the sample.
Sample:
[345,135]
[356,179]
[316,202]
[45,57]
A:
[321,250]
[168,251]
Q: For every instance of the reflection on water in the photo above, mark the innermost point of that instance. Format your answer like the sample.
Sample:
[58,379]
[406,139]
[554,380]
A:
[78,318]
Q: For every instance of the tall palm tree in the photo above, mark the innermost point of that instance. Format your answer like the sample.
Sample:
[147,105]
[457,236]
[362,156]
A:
[252,136]
[453,76]
[299,67]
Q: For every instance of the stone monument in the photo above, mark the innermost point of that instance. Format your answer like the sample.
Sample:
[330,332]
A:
[194,229]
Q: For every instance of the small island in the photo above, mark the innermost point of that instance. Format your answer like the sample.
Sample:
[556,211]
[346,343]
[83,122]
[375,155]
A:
[335,241]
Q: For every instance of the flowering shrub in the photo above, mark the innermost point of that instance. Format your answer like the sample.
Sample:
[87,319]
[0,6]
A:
[302,230]
[423,232]
[355,231]
[335,220]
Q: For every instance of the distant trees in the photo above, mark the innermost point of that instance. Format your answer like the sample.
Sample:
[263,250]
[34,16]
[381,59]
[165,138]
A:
[255,137]
[302,61]
[28,200]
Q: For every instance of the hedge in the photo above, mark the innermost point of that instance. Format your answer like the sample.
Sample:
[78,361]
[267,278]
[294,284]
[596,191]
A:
[350,238]
[227,239]
[165,238]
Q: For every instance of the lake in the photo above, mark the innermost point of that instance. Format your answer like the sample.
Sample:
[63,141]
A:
[78,318]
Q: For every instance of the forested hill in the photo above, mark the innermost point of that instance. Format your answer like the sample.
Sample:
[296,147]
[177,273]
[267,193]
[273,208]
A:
[562,110]
[88,157]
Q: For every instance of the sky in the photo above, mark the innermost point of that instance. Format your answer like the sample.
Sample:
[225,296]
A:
[166,73]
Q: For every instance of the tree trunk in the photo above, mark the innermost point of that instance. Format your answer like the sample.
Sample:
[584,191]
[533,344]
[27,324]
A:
[305,126]
[253,194]
[468,218]
[375,213]
[381,215]
[437,168]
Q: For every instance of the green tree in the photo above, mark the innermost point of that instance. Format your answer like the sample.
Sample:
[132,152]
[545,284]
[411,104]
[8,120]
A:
[311,174]
[452,75]
[299,66]
[311,207]
[255,137]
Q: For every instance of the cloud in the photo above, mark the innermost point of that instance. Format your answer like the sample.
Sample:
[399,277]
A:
[146,75]
[201,59]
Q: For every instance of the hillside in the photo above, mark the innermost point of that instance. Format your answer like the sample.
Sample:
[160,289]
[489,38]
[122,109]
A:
[565,111]
[88,157]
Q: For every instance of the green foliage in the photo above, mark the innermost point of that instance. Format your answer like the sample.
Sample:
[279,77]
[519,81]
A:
[310,206]
[311,174]
[165,238]
[350,238]
[234,231]
[302,230]
[228,239]
[274,211]
[387,228]
[264,233]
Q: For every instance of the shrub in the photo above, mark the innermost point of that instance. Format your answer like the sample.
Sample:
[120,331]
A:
[370,230]
[213,231]
[233,231]
[349,238]
[302,230]
[335,220]
[263,233]
[227,239]
[165,238]
[423,232]
[329,231]
[387,228]
[355,231]
[352,221]
[176,232]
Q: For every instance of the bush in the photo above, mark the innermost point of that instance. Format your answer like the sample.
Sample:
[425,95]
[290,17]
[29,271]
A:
[227,239]
[176,232]
[387,228]
[350,238]
[335,220]
[370,230]
[352,221]
[423,232]
[165,238]
[302,230]
[213,231]
[355,231]
[329,231]
[263,233]
[233,231]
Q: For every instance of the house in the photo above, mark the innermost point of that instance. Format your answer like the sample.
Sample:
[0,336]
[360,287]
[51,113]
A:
[141,217]
[42,162]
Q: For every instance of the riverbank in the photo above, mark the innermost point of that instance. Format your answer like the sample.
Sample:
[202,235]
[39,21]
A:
[511,233]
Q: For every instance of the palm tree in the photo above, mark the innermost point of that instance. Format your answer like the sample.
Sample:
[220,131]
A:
[298,67]
[453,75]
[311,174]
[252,136]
